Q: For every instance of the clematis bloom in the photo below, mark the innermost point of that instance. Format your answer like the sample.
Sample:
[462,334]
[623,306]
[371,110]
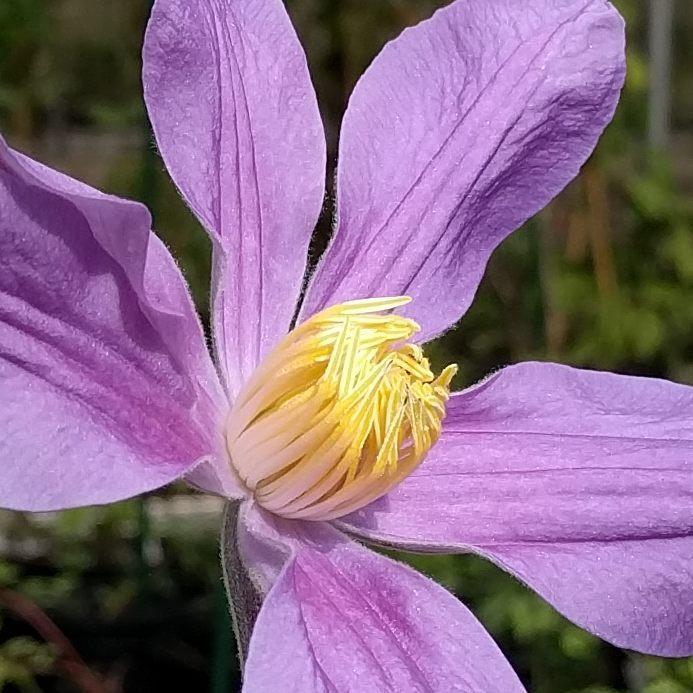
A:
[576,482]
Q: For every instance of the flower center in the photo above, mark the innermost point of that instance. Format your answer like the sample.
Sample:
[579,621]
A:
[341,411]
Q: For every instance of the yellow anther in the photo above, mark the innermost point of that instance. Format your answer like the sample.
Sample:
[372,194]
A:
[340,412]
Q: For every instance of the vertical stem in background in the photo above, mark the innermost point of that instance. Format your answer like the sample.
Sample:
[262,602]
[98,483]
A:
[597,197]
[220,675]
[535,295]
[142,567]
[661,20]
[554,318]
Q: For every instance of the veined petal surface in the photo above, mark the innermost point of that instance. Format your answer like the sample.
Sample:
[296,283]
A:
[463,128]
[353,621]
[237,123]
[578,482]
[106,387]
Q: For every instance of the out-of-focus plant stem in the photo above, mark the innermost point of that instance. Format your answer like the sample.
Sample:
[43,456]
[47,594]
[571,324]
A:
[68,661]
[660,41]
[599,228]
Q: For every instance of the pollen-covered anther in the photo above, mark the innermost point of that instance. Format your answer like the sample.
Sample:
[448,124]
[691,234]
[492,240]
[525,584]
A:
[340,412]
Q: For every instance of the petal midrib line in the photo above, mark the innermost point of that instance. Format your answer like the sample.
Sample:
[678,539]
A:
[389,540]
[132,396]
[96,341]
[447,142]
[349,586]
[579,436]
[221,26]
[572,470]
[489,159]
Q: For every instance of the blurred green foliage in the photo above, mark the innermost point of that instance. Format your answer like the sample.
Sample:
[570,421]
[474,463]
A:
[603,279]
[21,658]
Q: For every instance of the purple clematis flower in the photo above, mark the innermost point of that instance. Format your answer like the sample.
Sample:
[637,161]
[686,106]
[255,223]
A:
[579,483]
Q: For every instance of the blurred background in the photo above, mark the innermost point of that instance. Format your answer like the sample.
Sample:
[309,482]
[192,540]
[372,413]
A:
[129,597]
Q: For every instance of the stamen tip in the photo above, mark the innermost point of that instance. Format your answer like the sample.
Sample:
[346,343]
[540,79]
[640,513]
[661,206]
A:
[447,374]
[396,301]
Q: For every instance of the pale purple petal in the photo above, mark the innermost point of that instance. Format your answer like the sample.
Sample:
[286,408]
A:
[167,291]
[106,386]
[580,483]
[237,123]
[462,128]
[342,618]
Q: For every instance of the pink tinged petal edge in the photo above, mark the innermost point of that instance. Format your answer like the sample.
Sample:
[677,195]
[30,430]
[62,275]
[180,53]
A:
[237,122]
[342,618]
[106,386]
[463,128]
[578,482]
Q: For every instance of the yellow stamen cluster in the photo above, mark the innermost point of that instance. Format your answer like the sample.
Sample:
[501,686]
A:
[340,412]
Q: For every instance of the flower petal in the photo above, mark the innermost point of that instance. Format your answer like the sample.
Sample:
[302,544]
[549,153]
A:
[463,128]
[580,483]
[351,620]
[237,123]
[106,386]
